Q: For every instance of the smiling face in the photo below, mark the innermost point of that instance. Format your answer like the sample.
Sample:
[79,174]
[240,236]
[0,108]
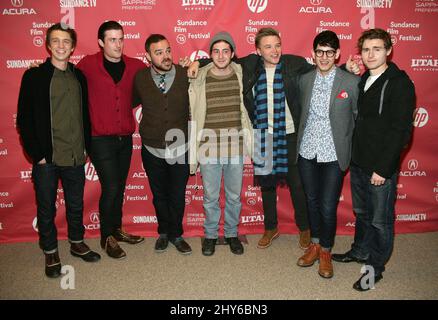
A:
[325,57]
[112,45]
[221,54]
[60,45]
[160,56]
[270,50]
[374,55]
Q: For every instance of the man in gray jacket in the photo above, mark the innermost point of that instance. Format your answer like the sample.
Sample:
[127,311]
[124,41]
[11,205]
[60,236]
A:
[329,106]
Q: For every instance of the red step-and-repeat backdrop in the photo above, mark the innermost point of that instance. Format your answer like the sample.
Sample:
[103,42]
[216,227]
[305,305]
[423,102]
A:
[189,25]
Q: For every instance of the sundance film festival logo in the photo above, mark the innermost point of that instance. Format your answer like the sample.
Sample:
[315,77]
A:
[18,9]
[421,117]
[257,6]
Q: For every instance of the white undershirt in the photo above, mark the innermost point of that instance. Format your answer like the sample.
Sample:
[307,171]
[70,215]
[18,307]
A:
[290,128]
[370,81]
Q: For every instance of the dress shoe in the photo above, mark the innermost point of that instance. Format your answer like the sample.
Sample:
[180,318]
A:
[181,245]
[346,258]
[359,286]
[235,245]
[310,256]
[112,248]
[82,251]
[267,238]
[208,247]
[53,265]
[325,264]
[161,244]
[304,242]
[123,236]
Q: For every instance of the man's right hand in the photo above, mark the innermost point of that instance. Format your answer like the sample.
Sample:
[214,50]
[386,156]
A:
[43,161]
[192,71]
[352,66]
[34,65]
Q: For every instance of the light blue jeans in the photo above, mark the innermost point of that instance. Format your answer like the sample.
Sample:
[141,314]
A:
[232,169]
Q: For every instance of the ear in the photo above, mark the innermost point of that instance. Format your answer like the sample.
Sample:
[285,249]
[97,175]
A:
[148,56]
[312,52]
[338,53]
[101,43]
[388,52]
[232,55]
[258,51]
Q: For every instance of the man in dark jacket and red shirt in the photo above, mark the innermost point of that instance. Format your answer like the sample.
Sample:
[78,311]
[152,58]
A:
[110,77]
[54,127]
[384,124]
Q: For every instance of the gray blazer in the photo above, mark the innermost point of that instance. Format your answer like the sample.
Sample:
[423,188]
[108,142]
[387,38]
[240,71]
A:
[342,112]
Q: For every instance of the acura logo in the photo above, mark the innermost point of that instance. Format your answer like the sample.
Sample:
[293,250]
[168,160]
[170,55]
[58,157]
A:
[316,2]
[413,164]
[17,3]
[94,217]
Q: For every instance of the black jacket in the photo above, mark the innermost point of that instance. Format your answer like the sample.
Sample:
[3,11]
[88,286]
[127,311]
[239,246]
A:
[34,111]
[292,67]
[380,138]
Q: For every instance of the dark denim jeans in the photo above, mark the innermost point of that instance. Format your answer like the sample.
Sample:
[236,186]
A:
[111,156]
[45,179]
[322,184]
[269,195]
[374,209]
[168,185]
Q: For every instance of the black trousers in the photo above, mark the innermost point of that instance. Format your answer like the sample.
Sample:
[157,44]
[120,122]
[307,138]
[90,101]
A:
[45,179]
[269,195]
[168,185]
[111,156]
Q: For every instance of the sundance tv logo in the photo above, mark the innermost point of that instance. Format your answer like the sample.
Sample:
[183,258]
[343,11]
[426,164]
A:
[257,6]
[18,9]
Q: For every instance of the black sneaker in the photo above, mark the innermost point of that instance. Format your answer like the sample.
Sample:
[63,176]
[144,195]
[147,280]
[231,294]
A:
[208,247]
[161,244]
[235,245]
[181,245]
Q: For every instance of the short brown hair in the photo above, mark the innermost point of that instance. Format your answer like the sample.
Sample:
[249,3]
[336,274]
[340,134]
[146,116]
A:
[62,27]
[265,32]
[375,34]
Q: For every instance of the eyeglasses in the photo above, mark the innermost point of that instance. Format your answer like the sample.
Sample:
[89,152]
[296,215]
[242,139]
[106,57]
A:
[329,53]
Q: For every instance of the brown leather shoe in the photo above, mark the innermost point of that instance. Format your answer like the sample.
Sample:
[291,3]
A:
[325,264]
[123,236]
[304,242]
[53,265]
[267,238]
[112,248]
[310,256]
